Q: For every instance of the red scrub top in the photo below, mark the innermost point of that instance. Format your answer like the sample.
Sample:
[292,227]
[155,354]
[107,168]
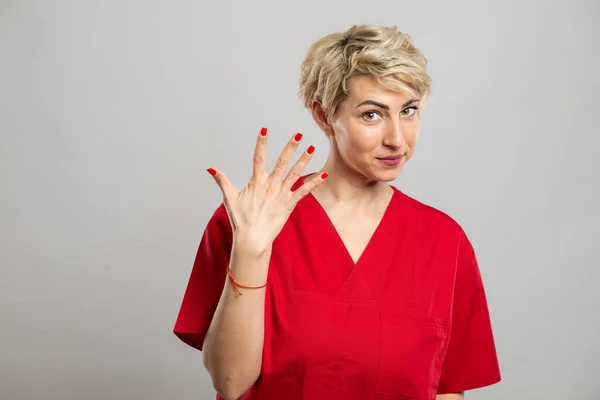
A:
[409,320]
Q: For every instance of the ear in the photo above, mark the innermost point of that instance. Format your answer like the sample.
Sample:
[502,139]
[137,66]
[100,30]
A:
[321,118]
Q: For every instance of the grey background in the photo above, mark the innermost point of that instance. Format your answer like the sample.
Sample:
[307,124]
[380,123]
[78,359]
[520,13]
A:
[110,111]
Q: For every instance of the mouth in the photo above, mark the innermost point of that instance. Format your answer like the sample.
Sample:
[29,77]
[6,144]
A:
[391,161]
[391,158]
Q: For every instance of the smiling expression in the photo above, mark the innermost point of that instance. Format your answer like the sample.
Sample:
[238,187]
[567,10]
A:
[375,129]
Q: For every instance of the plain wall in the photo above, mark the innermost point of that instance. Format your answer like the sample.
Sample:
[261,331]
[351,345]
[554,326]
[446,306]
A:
[110,112]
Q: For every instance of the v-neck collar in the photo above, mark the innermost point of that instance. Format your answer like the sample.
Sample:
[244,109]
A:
[337,237]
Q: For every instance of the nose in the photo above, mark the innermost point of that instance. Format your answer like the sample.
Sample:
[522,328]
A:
[394,135]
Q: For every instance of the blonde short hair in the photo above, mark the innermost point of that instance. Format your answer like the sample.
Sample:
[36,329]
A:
[384,53]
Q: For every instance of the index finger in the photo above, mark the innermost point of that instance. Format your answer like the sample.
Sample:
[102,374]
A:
[260,155]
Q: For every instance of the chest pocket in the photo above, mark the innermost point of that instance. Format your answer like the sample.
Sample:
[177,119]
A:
[412,351]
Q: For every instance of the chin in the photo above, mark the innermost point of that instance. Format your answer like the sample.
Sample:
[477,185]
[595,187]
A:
[387,176]
[390,179]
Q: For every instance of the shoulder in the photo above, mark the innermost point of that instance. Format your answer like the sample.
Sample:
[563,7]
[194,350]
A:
[429,218]
[438,232]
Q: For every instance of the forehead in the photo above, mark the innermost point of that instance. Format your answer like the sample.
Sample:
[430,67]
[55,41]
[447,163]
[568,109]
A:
[366,88]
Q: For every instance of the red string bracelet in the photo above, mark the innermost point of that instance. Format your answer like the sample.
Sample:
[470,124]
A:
[238,285]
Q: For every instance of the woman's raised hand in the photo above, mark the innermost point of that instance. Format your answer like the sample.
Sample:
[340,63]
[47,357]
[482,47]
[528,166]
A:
[259,211]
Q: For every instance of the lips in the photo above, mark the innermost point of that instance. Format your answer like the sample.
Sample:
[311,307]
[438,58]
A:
[391,158]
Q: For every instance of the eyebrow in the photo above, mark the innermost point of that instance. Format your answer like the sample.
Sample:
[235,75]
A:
[385,107]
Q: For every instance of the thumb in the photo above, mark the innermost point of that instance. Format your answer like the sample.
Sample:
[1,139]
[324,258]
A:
[223,182]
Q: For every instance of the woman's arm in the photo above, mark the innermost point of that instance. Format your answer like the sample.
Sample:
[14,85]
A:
[452,396]
[233,346]
[232,351]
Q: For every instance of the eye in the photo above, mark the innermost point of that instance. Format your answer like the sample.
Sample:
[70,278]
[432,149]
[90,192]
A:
[371,116]
[410,111]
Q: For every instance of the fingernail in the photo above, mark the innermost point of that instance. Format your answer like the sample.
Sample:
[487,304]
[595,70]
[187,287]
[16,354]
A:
[263,132]
[212,171]
[324,175]
[311,149]
[298,137]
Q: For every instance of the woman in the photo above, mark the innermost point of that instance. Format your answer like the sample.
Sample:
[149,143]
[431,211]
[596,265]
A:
[337,285]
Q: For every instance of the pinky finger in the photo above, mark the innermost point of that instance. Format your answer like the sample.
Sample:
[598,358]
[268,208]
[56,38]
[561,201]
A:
[308,187]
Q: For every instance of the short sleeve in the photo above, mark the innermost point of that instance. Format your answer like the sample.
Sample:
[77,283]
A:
[206,281]
[471,361]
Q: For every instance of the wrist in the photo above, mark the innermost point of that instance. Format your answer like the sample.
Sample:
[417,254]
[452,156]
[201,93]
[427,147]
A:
[249,266]
[251,248]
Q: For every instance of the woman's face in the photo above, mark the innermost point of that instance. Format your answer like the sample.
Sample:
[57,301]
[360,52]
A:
[375,130]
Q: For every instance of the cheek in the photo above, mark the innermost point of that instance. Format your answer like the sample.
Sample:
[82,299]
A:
[412,141]
[412,136]
[355,140]
[363,143]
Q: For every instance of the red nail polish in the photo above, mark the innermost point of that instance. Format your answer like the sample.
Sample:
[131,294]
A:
[263,132]
[324,175]
[212,171]
[298,137]
[311,149]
